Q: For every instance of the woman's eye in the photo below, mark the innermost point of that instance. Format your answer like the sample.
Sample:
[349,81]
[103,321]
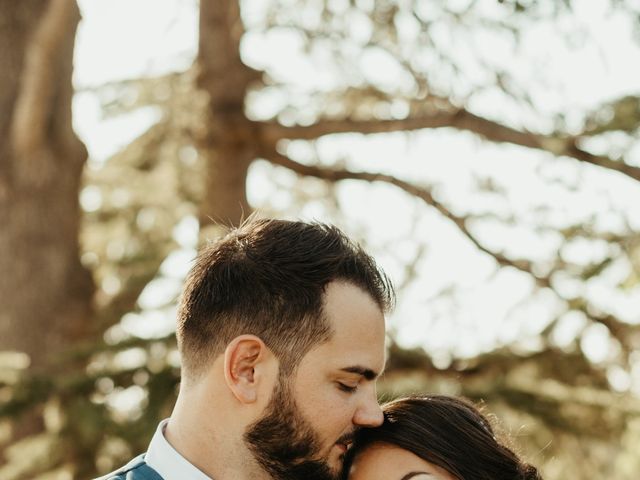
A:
[347,388]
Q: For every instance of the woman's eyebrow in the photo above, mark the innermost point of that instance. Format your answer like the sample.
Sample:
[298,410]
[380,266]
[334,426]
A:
[413,474]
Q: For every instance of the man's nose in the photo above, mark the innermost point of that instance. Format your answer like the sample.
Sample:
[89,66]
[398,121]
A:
[369,414]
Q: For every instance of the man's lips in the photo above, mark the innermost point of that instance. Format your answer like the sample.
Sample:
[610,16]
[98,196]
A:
[344,445]
[344,442]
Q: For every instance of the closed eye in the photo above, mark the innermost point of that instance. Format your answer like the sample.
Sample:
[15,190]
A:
[347,388]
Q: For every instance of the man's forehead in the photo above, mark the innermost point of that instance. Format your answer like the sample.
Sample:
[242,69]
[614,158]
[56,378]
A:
[352,313]
[364,358]
[356,344]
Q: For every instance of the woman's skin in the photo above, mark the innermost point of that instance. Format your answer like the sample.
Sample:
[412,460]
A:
[388,462]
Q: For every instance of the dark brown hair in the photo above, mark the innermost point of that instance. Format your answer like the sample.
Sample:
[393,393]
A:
[448,432]
[268,278]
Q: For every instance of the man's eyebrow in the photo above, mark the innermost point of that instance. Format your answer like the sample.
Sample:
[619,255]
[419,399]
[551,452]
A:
[365,372]
[414,474]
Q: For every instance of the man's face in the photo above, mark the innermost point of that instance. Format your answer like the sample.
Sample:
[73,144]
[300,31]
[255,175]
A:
[312,416]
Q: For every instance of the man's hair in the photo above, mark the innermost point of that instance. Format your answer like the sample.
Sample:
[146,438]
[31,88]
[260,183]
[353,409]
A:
[268,278]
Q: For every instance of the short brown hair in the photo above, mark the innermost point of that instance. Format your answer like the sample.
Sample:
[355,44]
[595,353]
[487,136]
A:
[268,278]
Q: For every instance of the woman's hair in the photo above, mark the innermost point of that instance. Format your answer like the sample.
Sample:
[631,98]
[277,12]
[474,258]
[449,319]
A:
[448,432]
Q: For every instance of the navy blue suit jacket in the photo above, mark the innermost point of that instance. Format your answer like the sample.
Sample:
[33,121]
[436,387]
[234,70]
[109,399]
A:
[136,469]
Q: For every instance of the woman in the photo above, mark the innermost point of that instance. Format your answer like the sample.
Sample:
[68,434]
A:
[433,438]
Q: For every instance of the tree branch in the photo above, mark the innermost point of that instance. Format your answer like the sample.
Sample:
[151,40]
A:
[334,175]
[453,117]
[618,329]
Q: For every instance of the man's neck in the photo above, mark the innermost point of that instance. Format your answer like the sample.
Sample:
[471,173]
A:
[209,446]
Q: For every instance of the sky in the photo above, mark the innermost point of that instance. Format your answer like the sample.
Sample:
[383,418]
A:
[159,36]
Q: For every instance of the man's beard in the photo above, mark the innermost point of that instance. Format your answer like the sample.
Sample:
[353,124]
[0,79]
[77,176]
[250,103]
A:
[284,444]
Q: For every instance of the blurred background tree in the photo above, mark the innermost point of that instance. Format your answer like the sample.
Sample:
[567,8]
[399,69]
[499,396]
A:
[498,188]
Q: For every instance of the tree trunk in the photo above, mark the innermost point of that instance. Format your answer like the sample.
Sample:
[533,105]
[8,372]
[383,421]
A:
[45,293]
[227,142]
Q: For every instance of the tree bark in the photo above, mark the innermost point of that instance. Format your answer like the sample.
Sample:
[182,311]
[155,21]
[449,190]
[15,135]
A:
[45,293]
[228,140]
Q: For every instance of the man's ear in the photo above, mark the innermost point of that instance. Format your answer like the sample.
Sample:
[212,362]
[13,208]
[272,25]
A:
[241,358]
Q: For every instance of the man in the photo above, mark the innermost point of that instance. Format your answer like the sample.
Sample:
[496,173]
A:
[281,333]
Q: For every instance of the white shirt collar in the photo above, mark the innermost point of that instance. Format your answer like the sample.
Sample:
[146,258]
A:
[165,460]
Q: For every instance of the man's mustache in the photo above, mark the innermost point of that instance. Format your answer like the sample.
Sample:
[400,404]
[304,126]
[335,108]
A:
[347,438]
